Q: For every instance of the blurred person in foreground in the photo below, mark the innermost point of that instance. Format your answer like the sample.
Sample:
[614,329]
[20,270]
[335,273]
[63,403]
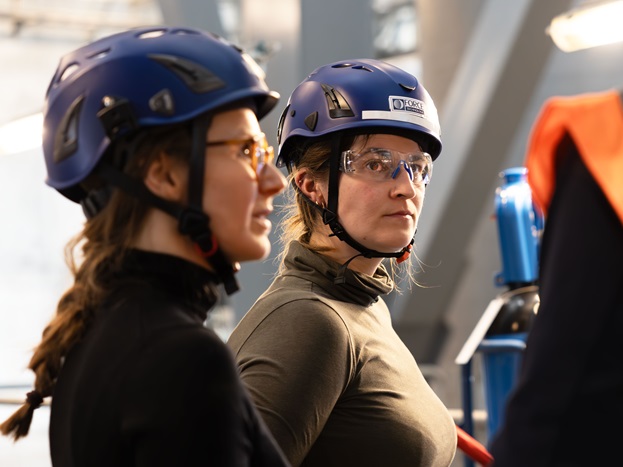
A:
[568,400]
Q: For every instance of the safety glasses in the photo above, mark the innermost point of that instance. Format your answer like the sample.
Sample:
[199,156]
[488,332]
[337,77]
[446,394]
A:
[255,149]
[379,164]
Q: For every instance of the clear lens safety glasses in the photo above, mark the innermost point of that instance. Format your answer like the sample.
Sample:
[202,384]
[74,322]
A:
[378,164]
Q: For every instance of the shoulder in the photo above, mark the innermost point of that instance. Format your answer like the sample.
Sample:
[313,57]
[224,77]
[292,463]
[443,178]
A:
[193,344]
[290,319]
[187,357]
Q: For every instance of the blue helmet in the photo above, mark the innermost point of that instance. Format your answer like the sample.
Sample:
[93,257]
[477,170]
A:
[143,77]
[359,96]
[351,97]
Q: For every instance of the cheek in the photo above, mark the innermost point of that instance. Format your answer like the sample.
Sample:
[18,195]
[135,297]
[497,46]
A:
[419,200]
[355,204]
[228,201]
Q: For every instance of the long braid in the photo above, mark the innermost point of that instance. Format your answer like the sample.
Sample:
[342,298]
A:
[73,312]
[102,244]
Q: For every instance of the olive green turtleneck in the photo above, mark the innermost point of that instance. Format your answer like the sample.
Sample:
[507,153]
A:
[331,378]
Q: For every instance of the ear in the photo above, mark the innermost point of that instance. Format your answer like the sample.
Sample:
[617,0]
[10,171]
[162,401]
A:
[310,187]
[167,178]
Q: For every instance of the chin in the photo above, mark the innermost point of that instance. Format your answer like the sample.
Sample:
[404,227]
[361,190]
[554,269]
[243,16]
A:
[251,250]
[394,246]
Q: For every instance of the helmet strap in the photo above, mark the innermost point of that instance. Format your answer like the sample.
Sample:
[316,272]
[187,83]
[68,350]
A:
[330,218]
[193,221]
[334,173]
[329,214]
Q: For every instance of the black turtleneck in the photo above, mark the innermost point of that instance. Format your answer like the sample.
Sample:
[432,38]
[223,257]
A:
[149,385]
[173,276]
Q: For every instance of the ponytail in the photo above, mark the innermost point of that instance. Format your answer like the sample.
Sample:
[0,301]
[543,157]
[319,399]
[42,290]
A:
[61,334]
[103,242]
[18,424]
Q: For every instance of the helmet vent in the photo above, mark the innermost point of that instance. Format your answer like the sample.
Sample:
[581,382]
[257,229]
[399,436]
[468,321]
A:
[186,32]
[338,106]
[361,67]
[151,34]
[406,87]
[162,103]
[282,120]
[199,79]
[99,54]
[66,137]
[68,71]
[311,121]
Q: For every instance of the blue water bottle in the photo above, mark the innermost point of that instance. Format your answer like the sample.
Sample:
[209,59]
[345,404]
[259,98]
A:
[519,229]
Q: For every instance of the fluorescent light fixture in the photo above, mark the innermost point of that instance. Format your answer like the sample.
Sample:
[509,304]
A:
[21,135]
[590,25]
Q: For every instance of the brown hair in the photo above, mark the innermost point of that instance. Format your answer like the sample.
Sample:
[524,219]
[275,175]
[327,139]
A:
[300,218]
[103,242]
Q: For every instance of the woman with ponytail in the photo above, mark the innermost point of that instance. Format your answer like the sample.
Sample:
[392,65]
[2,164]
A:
[155,132]
[333,381]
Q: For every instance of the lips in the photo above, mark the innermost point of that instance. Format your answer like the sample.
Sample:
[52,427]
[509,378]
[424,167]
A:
[262,212]
[402,214]
[261,217]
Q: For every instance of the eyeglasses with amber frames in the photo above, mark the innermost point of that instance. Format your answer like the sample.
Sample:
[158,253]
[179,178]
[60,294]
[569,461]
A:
[255,149]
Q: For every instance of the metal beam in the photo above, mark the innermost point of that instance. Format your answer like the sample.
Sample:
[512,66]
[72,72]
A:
[500,69]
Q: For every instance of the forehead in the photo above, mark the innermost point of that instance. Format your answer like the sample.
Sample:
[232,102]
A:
[393,142]
[234,123]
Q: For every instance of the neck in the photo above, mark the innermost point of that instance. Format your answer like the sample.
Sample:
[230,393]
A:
[160,234]
[341,252]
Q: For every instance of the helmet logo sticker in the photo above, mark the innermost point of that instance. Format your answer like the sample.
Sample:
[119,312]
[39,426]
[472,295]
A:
[405,109]
[406,104]
[162,103]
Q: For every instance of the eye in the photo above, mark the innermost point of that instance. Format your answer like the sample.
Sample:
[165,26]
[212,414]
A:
[376,160]
[418,168]
[421,167]
[376,165]
[247,149]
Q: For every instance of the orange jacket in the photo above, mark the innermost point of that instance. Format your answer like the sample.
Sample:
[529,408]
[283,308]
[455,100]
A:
[595,123]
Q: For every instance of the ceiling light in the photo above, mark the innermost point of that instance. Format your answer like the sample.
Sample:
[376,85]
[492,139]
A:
[590,25]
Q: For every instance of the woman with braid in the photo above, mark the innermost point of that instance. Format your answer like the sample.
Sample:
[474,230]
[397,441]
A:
[333,381]
[155,132]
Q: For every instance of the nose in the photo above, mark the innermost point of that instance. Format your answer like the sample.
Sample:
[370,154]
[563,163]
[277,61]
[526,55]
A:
[403,186]
[271,181]
[407,169]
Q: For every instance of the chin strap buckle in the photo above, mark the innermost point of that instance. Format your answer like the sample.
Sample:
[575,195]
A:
[194,223]
[405,254]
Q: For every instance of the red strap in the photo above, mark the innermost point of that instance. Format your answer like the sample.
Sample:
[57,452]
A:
[405,255]
[472,448]
[210,252]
